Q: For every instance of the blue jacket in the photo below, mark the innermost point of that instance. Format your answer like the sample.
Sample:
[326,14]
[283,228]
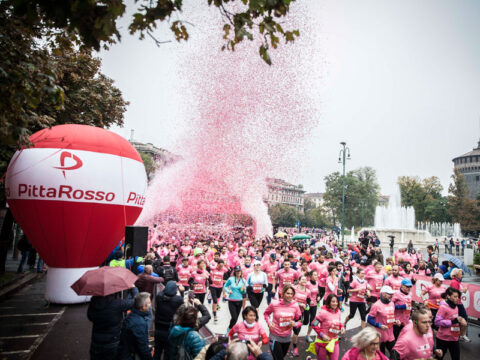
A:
[193,342]
[134,336]
[235,286]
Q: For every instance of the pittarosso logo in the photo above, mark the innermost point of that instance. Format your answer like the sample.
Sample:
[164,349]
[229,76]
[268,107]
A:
[67,192]
[63,156]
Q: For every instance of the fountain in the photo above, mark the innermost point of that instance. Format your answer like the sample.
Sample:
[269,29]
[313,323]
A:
[395,216]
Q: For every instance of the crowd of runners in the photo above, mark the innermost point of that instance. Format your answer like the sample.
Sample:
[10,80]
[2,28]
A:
[310,284]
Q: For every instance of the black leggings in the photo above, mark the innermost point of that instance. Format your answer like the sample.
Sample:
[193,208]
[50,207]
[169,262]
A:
[309,316]
[278,349]
[235,308]
[396,330]
[201,297]
[216,294]
[387,345]
[346,294]
[452,346]
[255,298]
[321,292]
[362,308]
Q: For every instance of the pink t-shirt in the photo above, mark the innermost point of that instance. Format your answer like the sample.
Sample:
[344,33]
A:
[330,323]
[394,282]
[247,270]
[385,315]
[399,298]
[200,282]
[358,296]
[186,250]
[216,276]
[411,346]
[322,276]
[452,332]
[255,333]
[184,274]
[331,283]
[285,278]
[375,280]
[270,269]
[301,295]
[434,296]
[282,315]
[313,288]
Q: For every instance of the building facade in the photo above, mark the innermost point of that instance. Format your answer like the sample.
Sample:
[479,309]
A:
[469,165]
[282,192]
[316,198]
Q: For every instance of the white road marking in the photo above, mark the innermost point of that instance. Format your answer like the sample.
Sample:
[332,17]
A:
[41,314]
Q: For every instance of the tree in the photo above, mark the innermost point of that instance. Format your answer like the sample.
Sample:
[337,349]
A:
[317,217]
[148,163]
[462,209]
[361,196]
[282,215]
[425,196]
[95,22]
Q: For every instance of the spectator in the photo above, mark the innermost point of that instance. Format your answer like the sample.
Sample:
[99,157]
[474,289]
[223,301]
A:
[106,314]
[167,271]
[146,281]
[25,247]
[240,351]
[183,332]
[134,335]
[168,301]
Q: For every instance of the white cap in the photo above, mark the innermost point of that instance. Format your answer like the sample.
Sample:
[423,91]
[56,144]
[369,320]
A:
[439,276]
[256,262]
[387,289]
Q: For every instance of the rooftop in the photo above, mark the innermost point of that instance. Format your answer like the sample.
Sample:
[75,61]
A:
[475,151]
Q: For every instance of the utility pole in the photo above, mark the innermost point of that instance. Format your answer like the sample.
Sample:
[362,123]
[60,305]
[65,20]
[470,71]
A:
[344,154]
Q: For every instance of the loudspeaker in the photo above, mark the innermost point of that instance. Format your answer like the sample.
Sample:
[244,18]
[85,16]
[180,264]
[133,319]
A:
[136,238]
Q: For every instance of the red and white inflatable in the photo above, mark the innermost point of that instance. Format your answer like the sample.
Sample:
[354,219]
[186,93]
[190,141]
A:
[73,192]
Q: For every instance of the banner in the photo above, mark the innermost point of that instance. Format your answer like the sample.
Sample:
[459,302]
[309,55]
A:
[470,299]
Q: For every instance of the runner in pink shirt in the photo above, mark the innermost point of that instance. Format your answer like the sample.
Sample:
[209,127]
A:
[382,317]
[308,316]
[416,341]
[198,281]
[449,324]
[328,326]
[394,280]
[285,316]
[434,293]
[402,300]
[331,283]
[217,275]
[359,291]
[270,267]
[303,299]
[375,280]
[285,276]
[184,271]
[249,329]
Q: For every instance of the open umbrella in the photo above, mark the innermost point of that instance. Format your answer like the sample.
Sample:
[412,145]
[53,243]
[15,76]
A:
[280,234]
[300,237]
[458,263]
[104,281]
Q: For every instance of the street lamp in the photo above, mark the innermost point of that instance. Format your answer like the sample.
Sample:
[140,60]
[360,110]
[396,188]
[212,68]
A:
[345,151]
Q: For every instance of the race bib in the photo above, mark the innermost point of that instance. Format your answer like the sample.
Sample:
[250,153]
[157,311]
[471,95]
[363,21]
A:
[361,294]
[257,288]
[455,330]
[183,278]
[409,305]
[379,285]
[287,282]
[285,321]
[217,279]
[334,329]
[199,287]
[390,320]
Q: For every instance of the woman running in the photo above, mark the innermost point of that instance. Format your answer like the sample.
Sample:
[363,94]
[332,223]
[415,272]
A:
[328,325]
[235,288]
[434,292]
[359,291]
[249,329]
[449,324]
[303,299]
[256,284]
[285,316]
[309,315]
[198,281]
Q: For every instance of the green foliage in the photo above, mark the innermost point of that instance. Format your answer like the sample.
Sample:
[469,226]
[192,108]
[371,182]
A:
[148,163]
[361,196]
[316,217]
[282,215]
[425,196]
[462,209]
[96,22]
[476,258]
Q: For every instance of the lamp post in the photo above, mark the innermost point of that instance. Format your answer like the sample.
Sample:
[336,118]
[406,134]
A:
[345,151]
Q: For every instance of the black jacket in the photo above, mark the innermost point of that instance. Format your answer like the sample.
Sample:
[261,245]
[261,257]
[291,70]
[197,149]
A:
[134,336]
[166,307]
[106,314]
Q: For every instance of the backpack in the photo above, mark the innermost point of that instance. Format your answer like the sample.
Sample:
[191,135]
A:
[135,266]
[182,353]
[168,274]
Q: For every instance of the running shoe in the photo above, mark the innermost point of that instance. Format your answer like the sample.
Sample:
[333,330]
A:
[465,338]
[215,318]
[295,352]
[308,339]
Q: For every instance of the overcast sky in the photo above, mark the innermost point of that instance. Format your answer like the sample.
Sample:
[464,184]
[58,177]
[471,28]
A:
[399,81]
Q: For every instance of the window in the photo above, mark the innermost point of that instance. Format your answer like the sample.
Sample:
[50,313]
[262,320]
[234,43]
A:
[477,178]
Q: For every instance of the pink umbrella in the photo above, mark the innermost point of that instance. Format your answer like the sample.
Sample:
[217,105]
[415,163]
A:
[104,281]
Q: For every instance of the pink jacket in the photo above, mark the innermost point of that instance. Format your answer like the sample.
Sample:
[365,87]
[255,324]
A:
[330,323]
[353,354]
[282,314]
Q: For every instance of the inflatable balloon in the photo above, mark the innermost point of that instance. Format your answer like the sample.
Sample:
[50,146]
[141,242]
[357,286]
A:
[73,192]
